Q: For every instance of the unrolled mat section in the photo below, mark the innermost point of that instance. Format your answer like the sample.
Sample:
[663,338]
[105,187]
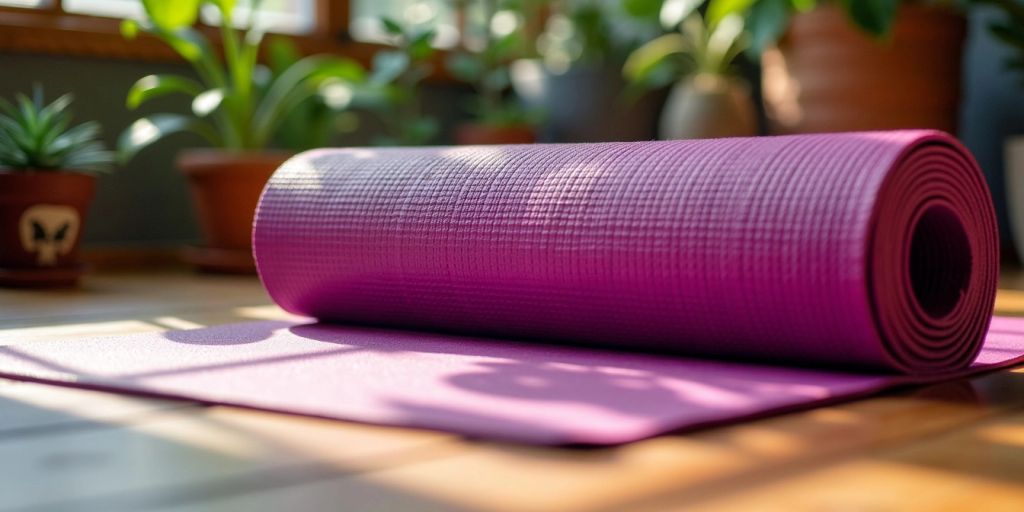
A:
[592,293]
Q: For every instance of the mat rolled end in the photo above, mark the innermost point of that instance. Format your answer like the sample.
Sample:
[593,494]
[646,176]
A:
[934,257]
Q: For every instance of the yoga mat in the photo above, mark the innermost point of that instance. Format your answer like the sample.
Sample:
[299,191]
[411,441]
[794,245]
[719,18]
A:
[592,293]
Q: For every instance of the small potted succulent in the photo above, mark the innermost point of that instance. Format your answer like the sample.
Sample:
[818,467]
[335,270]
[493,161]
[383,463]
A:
[490,45]
[239,106]
[709,99]
[846,65]
[46,187]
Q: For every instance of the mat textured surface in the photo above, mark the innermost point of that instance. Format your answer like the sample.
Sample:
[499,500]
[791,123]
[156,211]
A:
[757,275]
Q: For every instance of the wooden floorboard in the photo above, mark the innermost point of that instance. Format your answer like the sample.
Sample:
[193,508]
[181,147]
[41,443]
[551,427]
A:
[934,448]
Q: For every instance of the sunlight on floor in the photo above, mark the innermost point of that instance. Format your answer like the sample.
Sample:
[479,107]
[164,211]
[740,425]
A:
[77,330]
[1010,302]
[173,322]
[265,313]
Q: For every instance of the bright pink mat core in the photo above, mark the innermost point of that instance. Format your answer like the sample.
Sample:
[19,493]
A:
[592,293]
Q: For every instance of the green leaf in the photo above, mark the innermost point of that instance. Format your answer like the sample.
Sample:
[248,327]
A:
[388,66]
[719,9]
[642,8]
[496,80]
[804,5]
[644,60]
[206,102]
[147,130]
[420,47]
[226,7]
[77,136]
[724,43]
[1008,34]
[155,86]
[129,29]
[504,48]
[465,67]
[281,53]
[170,15]
[419,131]
[392,27]
[874,16]
[188,43]
[766,22]
[673,12]
[296,84]
[35,135]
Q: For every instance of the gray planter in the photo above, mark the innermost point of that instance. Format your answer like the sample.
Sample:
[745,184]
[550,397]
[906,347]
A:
[708,106]
[586,104]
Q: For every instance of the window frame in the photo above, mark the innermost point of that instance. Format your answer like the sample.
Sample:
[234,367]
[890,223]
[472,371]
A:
[50,30]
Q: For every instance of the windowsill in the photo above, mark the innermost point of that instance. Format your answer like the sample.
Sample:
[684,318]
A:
[47,33]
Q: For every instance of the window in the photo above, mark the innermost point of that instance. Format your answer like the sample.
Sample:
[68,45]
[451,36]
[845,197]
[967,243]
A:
[436,14]
[23,3]
[285,16]
[352,27]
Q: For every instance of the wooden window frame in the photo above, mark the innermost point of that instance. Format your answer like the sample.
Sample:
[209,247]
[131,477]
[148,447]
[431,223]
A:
[52,31]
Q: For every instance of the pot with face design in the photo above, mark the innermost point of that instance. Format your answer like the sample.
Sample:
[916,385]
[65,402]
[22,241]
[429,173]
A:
[41,219]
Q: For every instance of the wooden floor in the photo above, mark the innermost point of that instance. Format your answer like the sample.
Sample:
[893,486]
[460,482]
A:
[958,446]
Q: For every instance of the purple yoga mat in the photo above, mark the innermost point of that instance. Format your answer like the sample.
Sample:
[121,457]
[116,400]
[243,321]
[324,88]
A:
[863,250]
[592,294]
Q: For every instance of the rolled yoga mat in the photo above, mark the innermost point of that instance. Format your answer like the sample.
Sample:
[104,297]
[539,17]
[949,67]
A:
[593,293]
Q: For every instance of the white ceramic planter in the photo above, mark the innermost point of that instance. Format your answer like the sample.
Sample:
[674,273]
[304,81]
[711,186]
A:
[708,106]
[1013,148]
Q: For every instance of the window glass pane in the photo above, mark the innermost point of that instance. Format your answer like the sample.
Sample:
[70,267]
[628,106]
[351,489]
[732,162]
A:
[287,16]
[437,14]
[112,8]
[284,16]
[24,3]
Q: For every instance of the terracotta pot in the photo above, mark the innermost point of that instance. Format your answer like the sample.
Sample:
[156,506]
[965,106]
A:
[42,215]
[708,106]
[827,75]
[467,134]
[225,188]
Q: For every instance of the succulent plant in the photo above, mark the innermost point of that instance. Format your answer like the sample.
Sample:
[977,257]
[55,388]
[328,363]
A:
[35,136]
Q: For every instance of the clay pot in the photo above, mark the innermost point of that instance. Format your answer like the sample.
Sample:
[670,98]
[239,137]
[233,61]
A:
[42,216]
[708,106]
[226,187]
[467,134]
[827,75]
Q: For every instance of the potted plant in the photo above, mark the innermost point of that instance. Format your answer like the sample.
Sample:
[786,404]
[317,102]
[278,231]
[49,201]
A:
[46,187]
[497,119]
[576,79]
[708,99]
[238,106]
[855,65]
[391,91]
[319,120]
